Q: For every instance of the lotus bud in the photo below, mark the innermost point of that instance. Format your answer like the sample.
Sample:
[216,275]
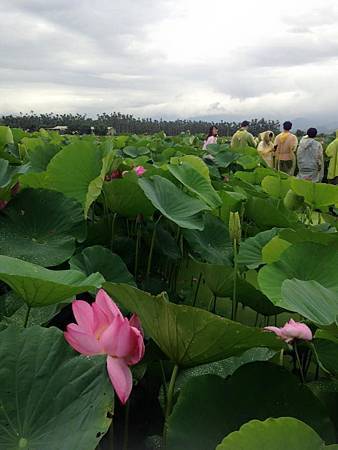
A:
[235,230]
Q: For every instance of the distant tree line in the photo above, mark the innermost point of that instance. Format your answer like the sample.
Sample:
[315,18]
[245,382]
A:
[127,123]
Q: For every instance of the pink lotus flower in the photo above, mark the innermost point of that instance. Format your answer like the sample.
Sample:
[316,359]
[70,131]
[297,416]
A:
[101,329]
[116,174]
[292,330]
[3,204]
[139,170]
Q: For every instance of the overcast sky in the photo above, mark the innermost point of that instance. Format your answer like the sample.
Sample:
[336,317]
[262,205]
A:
[170,58]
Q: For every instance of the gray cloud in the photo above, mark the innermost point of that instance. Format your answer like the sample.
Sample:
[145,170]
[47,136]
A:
[93,57]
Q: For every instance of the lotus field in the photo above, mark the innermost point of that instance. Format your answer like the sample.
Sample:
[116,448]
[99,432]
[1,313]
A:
[153,299]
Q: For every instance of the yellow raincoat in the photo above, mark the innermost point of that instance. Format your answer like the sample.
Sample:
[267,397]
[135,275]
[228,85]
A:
[332,153]
[242,139]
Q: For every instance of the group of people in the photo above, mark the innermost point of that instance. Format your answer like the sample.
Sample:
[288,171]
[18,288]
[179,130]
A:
[283,152]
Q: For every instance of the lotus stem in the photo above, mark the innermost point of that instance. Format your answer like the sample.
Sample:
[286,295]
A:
[138,238]
[152,247]
[234,292]
[197,289]
[113,230]
[27,316]
[169,405]
[281,358]
[299,363]
[164,382]
[126,426]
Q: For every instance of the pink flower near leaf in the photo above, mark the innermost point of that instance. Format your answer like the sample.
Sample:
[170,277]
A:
[101,329]
[116,174]
[139,170]
[292,330]
[3,204]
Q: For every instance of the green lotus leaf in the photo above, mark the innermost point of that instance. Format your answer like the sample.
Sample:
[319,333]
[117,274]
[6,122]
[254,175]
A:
[277,434]
[210,407]
[189,336]
[317,195]
[174,204]
[196,183]
[100,259]
[250,251]
[46,388]
[212,244]
[289,281]
[275,186]
[41,227]
[125,197]
[272,251]
[310,299]
[135,152]
[40,287]
[267,213]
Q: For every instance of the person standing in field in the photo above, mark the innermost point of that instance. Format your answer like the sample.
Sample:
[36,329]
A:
[310,158]
[332,153]
[285,148]
[242,138]
[211,138]
[266,147]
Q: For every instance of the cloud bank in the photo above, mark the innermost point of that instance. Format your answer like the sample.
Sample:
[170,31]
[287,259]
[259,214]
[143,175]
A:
[170,58]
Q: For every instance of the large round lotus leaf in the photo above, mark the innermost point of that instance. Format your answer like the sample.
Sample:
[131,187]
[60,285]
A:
[250,251]
[134,152]
[275,434]
[327,391]
[173,203]
[210,407]
[219,278]
[196,162]
[78,171]
[303,262]
[267,213]
[317,195]
[196,183]
[100,259]
[327,352]
[50,398]
[41,156]
[125,197]
[40,226]
[6,137]
[231,202]
[189,336]
[275,186]
[310,299]
[212,244]
[40,287]
[272,251]
[303,234]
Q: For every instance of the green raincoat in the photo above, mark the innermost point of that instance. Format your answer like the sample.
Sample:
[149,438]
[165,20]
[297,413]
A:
[242,139]
[332,153]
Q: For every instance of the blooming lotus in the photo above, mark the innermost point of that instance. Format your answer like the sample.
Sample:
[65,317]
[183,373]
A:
[3,204]
[139,170]
[101,329]
[292,330]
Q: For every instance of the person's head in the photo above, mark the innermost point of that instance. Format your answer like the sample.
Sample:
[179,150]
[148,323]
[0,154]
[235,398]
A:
[213,131]
[287,126]
[245,124]
[312,132]
[268,137]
